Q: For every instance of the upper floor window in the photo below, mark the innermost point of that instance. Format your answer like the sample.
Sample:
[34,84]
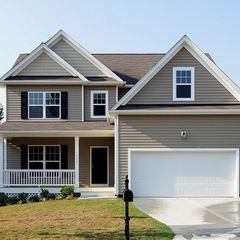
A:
[183,84]
[99,104]
[44,105]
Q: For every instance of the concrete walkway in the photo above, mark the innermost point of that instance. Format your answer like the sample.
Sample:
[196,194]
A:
[191,218]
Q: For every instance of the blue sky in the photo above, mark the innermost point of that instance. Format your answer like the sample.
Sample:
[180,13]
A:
[124,26]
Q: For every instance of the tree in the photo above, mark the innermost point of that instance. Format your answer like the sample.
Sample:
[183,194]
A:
[1,111]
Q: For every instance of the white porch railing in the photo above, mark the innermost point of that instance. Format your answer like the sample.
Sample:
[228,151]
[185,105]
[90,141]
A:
[16,177]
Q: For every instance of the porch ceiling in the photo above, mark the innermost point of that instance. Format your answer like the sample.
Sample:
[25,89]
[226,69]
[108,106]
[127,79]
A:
[59,128]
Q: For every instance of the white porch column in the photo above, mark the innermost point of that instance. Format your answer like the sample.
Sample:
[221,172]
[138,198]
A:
[5,153]
[76,161]
[1,160]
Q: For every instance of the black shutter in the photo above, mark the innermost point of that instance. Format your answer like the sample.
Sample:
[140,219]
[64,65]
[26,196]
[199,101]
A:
[24,156]
[64,105]
[64,156]
[24,103]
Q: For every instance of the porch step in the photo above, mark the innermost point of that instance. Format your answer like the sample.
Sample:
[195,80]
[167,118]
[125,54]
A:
[97,193]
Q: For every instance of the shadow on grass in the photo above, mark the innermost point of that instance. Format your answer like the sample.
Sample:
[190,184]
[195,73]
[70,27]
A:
[109,235]
[132,217]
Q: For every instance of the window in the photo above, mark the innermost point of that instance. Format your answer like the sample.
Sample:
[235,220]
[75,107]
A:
[44,157]
[44,105]
[99,103]
[183,84]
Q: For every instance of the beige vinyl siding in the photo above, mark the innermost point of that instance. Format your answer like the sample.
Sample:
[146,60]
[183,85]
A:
[75,59]
[159,90]
[164,132]
[87,100]
[14,145]
[13,156]
[74,100]
[85,144]
[44,66]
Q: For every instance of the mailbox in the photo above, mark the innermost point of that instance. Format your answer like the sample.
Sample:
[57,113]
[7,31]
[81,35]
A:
[127,196]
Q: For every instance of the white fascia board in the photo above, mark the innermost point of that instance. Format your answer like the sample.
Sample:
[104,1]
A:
[59,82]
[176,112]
[81,50]
[33,55]
[213,68]
[198,54]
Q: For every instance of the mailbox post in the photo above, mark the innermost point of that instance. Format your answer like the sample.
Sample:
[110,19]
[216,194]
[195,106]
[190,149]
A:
[127,197]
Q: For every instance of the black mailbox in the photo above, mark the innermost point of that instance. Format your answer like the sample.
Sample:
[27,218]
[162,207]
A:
[127,196]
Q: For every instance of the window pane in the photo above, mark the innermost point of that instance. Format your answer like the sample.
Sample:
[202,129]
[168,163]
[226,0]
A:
[183,91]
[36,98]
[35,165]
[99,98]
[183,76]
[99,110]
[52,112]
[52,165]
[52,153]
[35,112]
[35,153]
[52,98]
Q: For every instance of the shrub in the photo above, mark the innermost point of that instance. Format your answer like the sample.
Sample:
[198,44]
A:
[34,198]
[44,193]
[67,191]
[3,199]
[51,196]
[23,197]
[13,200]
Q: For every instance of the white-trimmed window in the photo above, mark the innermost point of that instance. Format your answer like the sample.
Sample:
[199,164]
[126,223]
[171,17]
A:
[42,105]
[44,157]
[183,84]
[99,104]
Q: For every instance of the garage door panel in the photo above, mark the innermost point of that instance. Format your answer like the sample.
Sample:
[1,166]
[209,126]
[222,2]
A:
[183,173]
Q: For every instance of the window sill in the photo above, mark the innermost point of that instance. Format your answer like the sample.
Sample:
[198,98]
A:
[183,100]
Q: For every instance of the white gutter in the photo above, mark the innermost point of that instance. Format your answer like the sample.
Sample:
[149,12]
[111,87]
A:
[176,112]
[61,82]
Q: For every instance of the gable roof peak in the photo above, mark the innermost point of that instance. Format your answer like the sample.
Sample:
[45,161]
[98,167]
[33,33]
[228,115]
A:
[84,52]
[42,48]
[194,50]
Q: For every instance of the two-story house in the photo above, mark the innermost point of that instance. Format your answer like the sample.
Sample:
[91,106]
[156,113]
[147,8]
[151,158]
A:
[170,121]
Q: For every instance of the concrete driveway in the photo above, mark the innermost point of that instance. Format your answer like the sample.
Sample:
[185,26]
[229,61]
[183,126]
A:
[194,215]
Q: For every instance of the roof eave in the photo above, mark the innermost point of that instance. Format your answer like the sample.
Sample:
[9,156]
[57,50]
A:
[177,112]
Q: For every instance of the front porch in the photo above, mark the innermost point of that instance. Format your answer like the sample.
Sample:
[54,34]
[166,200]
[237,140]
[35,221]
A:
[31,163]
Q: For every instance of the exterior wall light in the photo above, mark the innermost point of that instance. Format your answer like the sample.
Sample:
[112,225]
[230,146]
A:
[183,134]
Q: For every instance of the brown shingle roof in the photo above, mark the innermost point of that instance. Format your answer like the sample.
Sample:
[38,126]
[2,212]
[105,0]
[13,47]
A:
[60,126]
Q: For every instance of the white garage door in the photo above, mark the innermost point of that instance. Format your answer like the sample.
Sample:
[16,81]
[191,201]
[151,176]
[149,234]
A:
[176,173]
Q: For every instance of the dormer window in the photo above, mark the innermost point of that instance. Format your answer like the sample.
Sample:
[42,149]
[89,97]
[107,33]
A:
[99,104]
[183,84]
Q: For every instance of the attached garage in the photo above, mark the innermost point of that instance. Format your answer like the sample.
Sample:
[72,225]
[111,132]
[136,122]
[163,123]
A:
[184,172]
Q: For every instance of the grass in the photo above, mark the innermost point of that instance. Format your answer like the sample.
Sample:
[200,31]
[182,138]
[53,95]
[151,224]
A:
[72,219]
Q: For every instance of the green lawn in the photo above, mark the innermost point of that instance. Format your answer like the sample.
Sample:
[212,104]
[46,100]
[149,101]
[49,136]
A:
[73,219]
